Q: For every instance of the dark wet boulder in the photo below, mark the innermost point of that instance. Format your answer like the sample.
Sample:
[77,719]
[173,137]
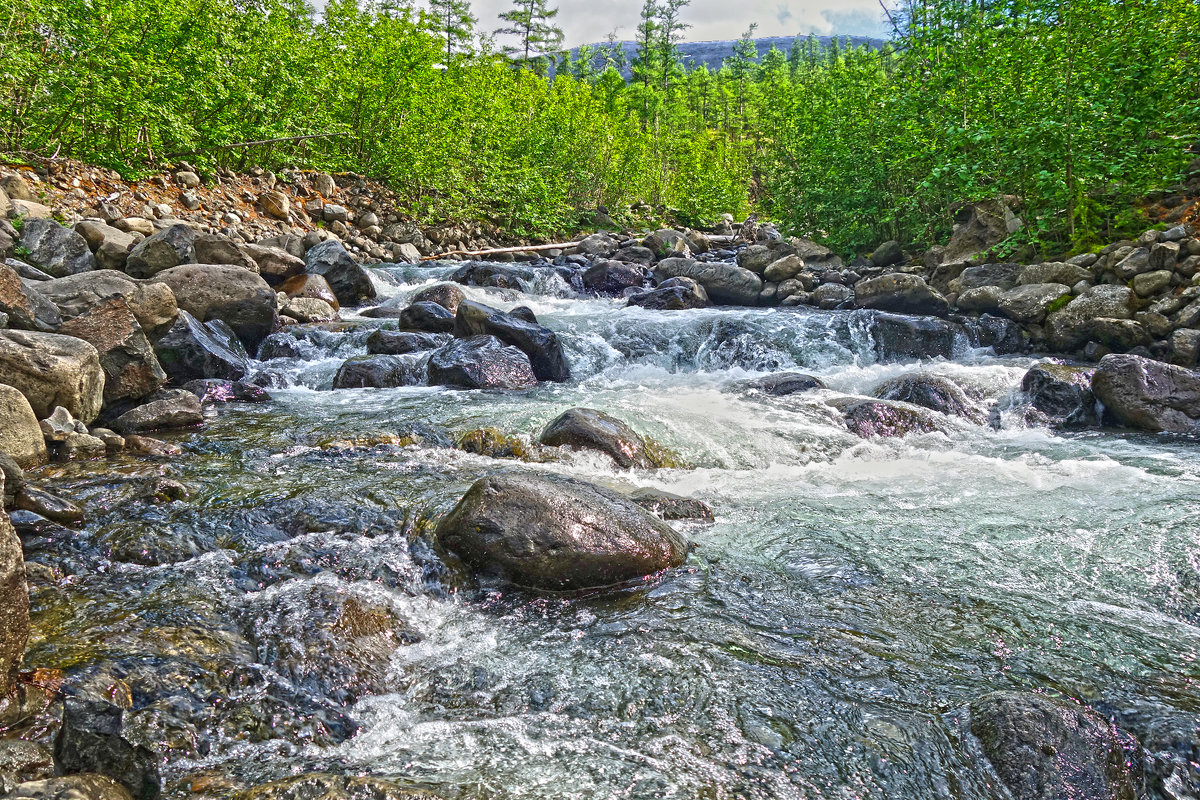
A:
[589,429]
[14,607]
[327,786]
[90,741]
[212,391]
[1063,392]
[480,362]
[193,350]
[446,295]
[48,505]
[934,392]
[500,276]
[55,250]
[163,250]
[26,307]
[613,277]
[379,372]
[726,284]
[673,294]
[398,343]
[494,443]
[665,505]
[425,317]
[900,293]
[899,337]
[53,370]
[539,343]
[871,419]
[179,408]
[131,370]
[350,281]
[1044,749]
[1001,276]
[782,383]
[239,298]
[1004,336]
[1147,394]
[22,762]
[555,533]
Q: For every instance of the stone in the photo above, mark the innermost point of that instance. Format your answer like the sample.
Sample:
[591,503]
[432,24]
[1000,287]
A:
[275,204]
[193,350]
[398,343]
[425,317]
[539,343]
[558,534]
[780,384]
[1030,303]
[613,277]
[934,392]
[16,187]
[725,284]
[1070,327]
[1151,283]
[55,250]
[756,258]
[870,419]
[1118,334]
[784,268]
[235,296]
[1164,255]
[26,271]
[308,309]
[23,762]
[1149,395]
[14,608]
[666,242]
[275,264]
[168,248]
[1185,347]
[325,786]
[1046,749]
[21,436]
[71,787]
[213,248]
[332,212]
[60,424]
[53,370]
[832,295]
[1134,264]
[900,293]
[1054,272]
[673,294]
[380,372]
[887,254]
[135,225]
[131,370]
[48,505]
[180,410]
[598,244]
[82,447]
[1063,392]
[978,227]
[90,741]
[635,255]
[1001,276]
[667,506]
[589,429]
[481,362]
[26,307]
[110,245]
[153,304]
[310,286]
[446,295]
[154,448]
[219,391]
[980,298]
[351,284]
[187,179]
[901,337]
[324,184]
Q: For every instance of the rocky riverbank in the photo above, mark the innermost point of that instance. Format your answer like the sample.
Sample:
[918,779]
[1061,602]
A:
[138,310]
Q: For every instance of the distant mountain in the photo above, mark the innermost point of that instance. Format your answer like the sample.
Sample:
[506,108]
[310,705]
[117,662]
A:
[713,54]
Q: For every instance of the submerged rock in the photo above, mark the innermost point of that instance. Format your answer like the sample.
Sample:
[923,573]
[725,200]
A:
[216,390]
[88,786]
[783,383]
[870,419]
[541,344]
[326,786]
[481,362]
[588,429]
[90,741]
[673,294]
[179,409]
[933,392]
[558,534]
[1045,749]
[672,506]
[379,372]
[1148,394]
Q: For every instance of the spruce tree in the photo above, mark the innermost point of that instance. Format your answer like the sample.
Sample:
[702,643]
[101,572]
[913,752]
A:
[532,22]
[453,22]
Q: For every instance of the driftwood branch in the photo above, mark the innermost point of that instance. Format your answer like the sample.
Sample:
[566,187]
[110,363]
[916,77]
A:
[532,248]
[260,141]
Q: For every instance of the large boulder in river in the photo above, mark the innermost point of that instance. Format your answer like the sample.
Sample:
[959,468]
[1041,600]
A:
[193,350]
[780,384]
[131,370]
[673,294]
[613,277]
[588,429]
[1062,392]
[1071,327]
[480,362]
[351,283]
[239,298]
[870,419]
[14,607]
[55,250]
[379,372]
[934,392]
[446,295]
[26,307]
[557,534]
[313,287]
[398,343]
[152,303]
[536,341]
[726,284]
[20,434]
[1044,749]
[901,293]
[425,317]
[53,370]
[901,337]
[1148,394]
[166,249]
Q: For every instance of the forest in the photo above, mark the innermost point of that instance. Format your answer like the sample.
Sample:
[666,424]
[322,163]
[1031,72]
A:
[1077,108]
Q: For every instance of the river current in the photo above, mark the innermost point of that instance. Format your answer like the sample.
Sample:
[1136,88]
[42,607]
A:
[822,641]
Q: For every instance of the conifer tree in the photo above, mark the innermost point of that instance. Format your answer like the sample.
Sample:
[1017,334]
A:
[453,22]
[532,22]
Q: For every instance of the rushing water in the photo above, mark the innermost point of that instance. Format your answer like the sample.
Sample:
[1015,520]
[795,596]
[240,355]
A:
[851,598]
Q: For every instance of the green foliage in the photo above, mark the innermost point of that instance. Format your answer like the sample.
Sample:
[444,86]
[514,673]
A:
[1058,304]
[531,21]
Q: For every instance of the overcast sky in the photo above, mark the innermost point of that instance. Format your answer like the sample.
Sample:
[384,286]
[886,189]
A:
[585,21]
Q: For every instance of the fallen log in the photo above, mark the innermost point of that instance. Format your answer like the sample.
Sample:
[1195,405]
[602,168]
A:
[532,248]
